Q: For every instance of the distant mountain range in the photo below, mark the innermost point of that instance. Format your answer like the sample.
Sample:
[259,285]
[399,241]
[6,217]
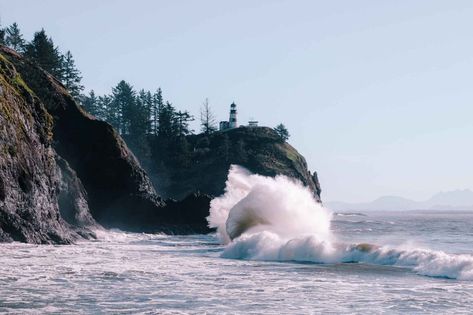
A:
[450,200]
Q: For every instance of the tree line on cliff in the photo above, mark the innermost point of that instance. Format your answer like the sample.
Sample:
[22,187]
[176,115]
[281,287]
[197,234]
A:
[130,112]
[142,117]
[41,49]
[135,115]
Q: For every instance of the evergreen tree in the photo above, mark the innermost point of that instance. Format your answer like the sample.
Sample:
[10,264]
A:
[207,118]
[71,76]
[105,111]
[122,106]
[14,39]
[282,132]
[166,118]
[138,118]
[156,107]
[90,103]
[181,123]
[42,50]
[145,105]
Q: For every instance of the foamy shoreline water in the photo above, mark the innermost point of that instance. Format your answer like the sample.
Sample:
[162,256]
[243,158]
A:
[426,268]
[127,273]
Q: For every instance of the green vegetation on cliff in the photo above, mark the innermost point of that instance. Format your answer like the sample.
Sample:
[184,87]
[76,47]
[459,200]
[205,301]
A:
[42,50]
[200,163]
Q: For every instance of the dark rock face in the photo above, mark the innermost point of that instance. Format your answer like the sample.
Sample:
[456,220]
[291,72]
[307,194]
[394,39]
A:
[61,170]
[116,185]
[72,198]
[189,214]
[259,149]
[70,169]
[28,173]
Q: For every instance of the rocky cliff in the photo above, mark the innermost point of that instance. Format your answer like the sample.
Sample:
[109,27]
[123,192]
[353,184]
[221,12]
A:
[209,157]
[61,169]
[64,173]
[30,178]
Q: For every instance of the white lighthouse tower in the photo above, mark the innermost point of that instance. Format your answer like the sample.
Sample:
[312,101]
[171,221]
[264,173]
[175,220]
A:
[233,116]
[232,122]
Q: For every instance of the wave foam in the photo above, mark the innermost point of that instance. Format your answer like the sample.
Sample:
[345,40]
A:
[254,203]
[264,218]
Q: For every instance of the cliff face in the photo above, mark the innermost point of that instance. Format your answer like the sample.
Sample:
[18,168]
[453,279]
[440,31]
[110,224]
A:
[62,172]
[259,149]
[116,185]
[61,169]
[29,176]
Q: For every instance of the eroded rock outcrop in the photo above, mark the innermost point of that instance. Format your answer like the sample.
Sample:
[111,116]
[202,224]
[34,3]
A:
[115,183]
[259,149]
[29,176]
[62,170]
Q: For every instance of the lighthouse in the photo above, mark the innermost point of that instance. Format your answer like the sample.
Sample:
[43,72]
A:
[232,121]
[233,116]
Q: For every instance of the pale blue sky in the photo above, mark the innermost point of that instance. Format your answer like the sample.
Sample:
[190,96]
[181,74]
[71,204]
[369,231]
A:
[377,95]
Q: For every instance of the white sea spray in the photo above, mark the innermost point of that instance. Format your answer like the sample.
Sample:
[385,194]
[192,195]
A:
[265,218]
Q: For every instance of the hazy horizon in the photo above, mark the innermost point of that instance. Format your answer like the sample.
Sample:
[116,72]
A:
[376,95]
[452,192]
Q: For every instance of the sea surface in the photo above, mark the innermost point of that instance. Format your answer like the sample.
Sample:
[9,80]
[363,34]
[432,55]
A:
[126,273]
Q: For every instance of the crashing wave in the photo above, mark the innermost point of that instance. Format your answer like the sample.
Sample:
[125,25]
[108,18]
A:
[265,218]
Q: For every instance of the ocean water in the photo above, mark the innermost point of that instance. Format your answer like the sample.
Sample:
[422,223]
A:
[275,251]
[125,273]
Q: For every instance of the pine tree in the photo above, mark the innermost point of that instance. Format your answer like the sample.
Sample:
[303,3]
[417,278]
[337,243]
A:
[14,39]
[104,109]
[207,118]
[282,132]
[91,104]
[138,119]
[122,105]
[71,76]
[42,50]
[145,105]
[156,108]
[166,118]
[181,123]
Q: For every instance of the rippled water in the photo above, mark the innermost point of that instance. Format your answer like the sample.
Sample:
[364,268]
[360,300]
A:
[159,274]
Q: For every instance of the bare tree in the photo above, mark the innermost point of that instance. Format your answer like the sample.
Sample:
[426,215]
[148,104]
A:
[207,118]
